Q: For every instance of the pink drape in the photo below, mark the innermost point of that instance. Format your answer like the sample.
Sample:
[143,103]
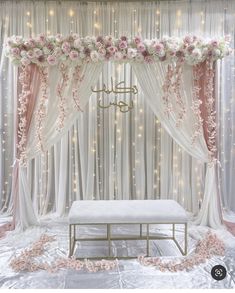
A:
[204,114]
[34,85]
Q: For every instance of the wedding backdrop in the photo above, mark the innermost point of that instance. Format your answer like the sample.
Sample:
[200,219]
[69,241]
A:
[116,101]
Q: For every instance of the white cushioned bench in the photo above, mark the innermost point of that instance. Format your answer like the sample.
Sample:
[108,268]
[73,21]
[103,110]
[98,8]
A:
[108,212]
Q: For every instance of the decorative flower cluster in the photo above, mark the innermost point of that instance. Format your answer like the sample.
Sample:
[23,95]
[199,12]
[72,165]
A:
[26,260]
[205,249]
[24,97]
[50,50]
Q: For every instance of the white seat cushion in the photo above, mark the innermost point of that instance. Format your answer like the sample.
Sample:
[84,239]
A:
[126,211]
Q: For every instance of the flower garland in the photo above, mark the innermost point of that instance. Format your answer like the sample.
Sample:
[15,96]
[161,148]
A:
[167,90]
[176,89]
[50,50]
[24,79]
[171,88]
[196,102]
[77,79]
[60,93]
[210,106]
[25,261]
[41,111]
[206,248]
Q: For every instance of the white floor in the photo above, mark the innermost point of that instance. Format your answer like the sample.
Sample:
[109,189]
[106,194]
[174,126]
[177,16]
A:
[128,274]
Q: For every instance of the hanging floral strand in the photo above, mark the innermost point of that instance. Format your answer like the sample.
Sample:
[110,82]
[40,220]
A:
[41,111]
[60,93]
[77,79]
[167,88]
[24,79]
[176,89]
[196,102]
[210,106]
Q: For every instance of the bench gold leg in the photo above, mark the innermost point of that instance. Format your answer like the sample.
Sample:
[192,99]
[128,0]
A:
[109,238]
[147,238]
[185,239]
[70,240]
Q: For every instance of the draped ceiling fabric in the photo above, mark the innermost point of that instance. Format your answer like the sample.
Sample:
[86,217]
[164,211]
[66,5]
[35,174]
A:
[86,160]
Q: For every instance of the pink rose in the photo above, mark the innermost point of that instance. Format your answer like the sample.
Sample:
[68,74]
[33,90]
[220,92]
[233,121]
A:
[188,39]
[191,48]
[102,51]
[122,45]
[112,49]
[179,54]
[214,43]
[73,55]
[66,47]
[141,47]
[42,39]
[31,43]
[123,38]
[30,54]
[137,40]
[100,39]
[15,51]
[51,59]
[159,47]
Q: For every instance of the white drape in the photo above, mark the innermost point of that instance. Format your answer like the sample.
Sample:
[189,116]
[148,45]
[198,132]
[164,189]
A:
[152,78]
[25,214]
[51,135]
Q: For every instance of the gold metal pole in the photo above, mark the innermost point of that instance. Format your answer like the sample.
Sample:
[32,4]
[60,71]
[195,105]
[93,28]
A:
[109,238]
[186,238]
[140,230]
[147,239]
[70,240]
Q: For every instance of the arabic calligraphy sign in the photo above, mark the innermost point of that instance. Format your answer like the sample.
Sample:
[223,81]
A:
[123,106]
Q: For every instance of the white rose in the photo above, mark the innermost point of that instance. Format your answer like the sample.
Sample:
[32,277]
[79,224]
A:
[46,50]
[131,53]
[139,58]
[94,56]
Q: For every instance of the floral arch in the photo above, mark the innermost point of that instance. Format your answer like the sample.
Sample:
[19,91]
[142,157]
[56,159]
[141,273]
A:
[54,75]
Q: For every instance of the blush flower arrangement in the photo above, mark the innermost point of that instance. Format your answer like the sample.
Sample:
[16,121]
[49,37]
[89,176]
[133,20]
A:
[206,248]
[50,50]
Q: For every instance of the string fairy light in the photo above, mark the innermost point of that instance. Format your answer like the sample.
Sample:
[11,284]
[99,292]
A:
[71,12]
[51,12]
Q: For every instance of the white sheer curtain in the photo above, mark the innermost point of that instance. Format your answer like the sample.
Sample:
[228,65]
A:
[157,166]
[152,78]
[25,209]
